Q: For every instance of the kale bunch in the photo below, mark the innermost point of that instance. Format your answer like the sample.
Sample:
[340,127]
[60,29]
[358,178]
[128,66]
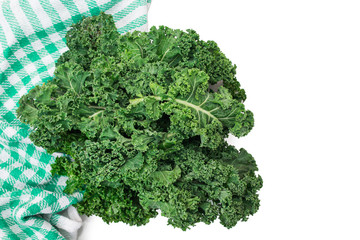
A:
[141,120]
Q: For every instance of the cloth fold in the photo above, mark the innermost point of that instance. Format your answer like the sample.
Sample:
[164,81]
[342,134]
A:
[32,202]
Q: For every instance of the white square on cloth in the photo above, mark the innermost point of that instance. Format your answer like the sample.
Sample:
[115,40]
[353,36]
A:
[19,54]
[9,131]
[30,68]
[29,173]
[9,104]
[47,60]
[22,91]
[19,185]
[37,45]
[64,201]
[3,175]
[4,156]
[13,79]
[16,229]
[54,37]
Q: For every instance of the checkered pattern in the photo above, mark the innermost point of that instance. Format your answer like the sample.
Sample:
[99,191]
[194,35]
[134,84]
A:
[31,39]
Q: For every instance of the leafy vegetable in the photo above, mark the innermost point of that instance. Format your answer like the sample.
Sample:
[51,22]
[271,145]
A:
[142,127]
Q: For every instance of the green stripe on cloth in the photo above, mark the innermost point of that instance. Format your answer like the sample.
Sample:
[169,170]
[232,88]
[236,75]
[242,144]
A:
[130,8]
[32,202]
[134,24]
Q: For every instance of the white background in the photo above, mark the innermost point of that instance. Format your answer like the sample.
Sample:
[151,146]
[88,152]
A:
[299,62]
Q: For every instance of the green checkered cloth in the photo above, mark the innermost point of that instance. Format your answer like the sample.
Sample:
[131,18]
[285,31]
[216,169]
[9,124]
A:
[32,203]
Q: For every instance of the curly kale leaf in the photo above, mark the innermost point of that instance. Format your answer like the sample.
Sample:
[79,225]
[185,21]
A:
[143,127]
[209,187]
[195,110]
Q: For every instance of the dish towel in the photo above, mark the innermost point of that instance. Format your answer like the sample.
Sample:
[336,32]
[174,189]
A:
[32,37]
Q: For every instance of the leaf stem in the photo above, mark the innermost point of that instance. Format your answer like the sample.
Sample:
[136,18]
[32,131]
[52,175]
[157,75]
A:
[96,107]
[96,113]
[185,103]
